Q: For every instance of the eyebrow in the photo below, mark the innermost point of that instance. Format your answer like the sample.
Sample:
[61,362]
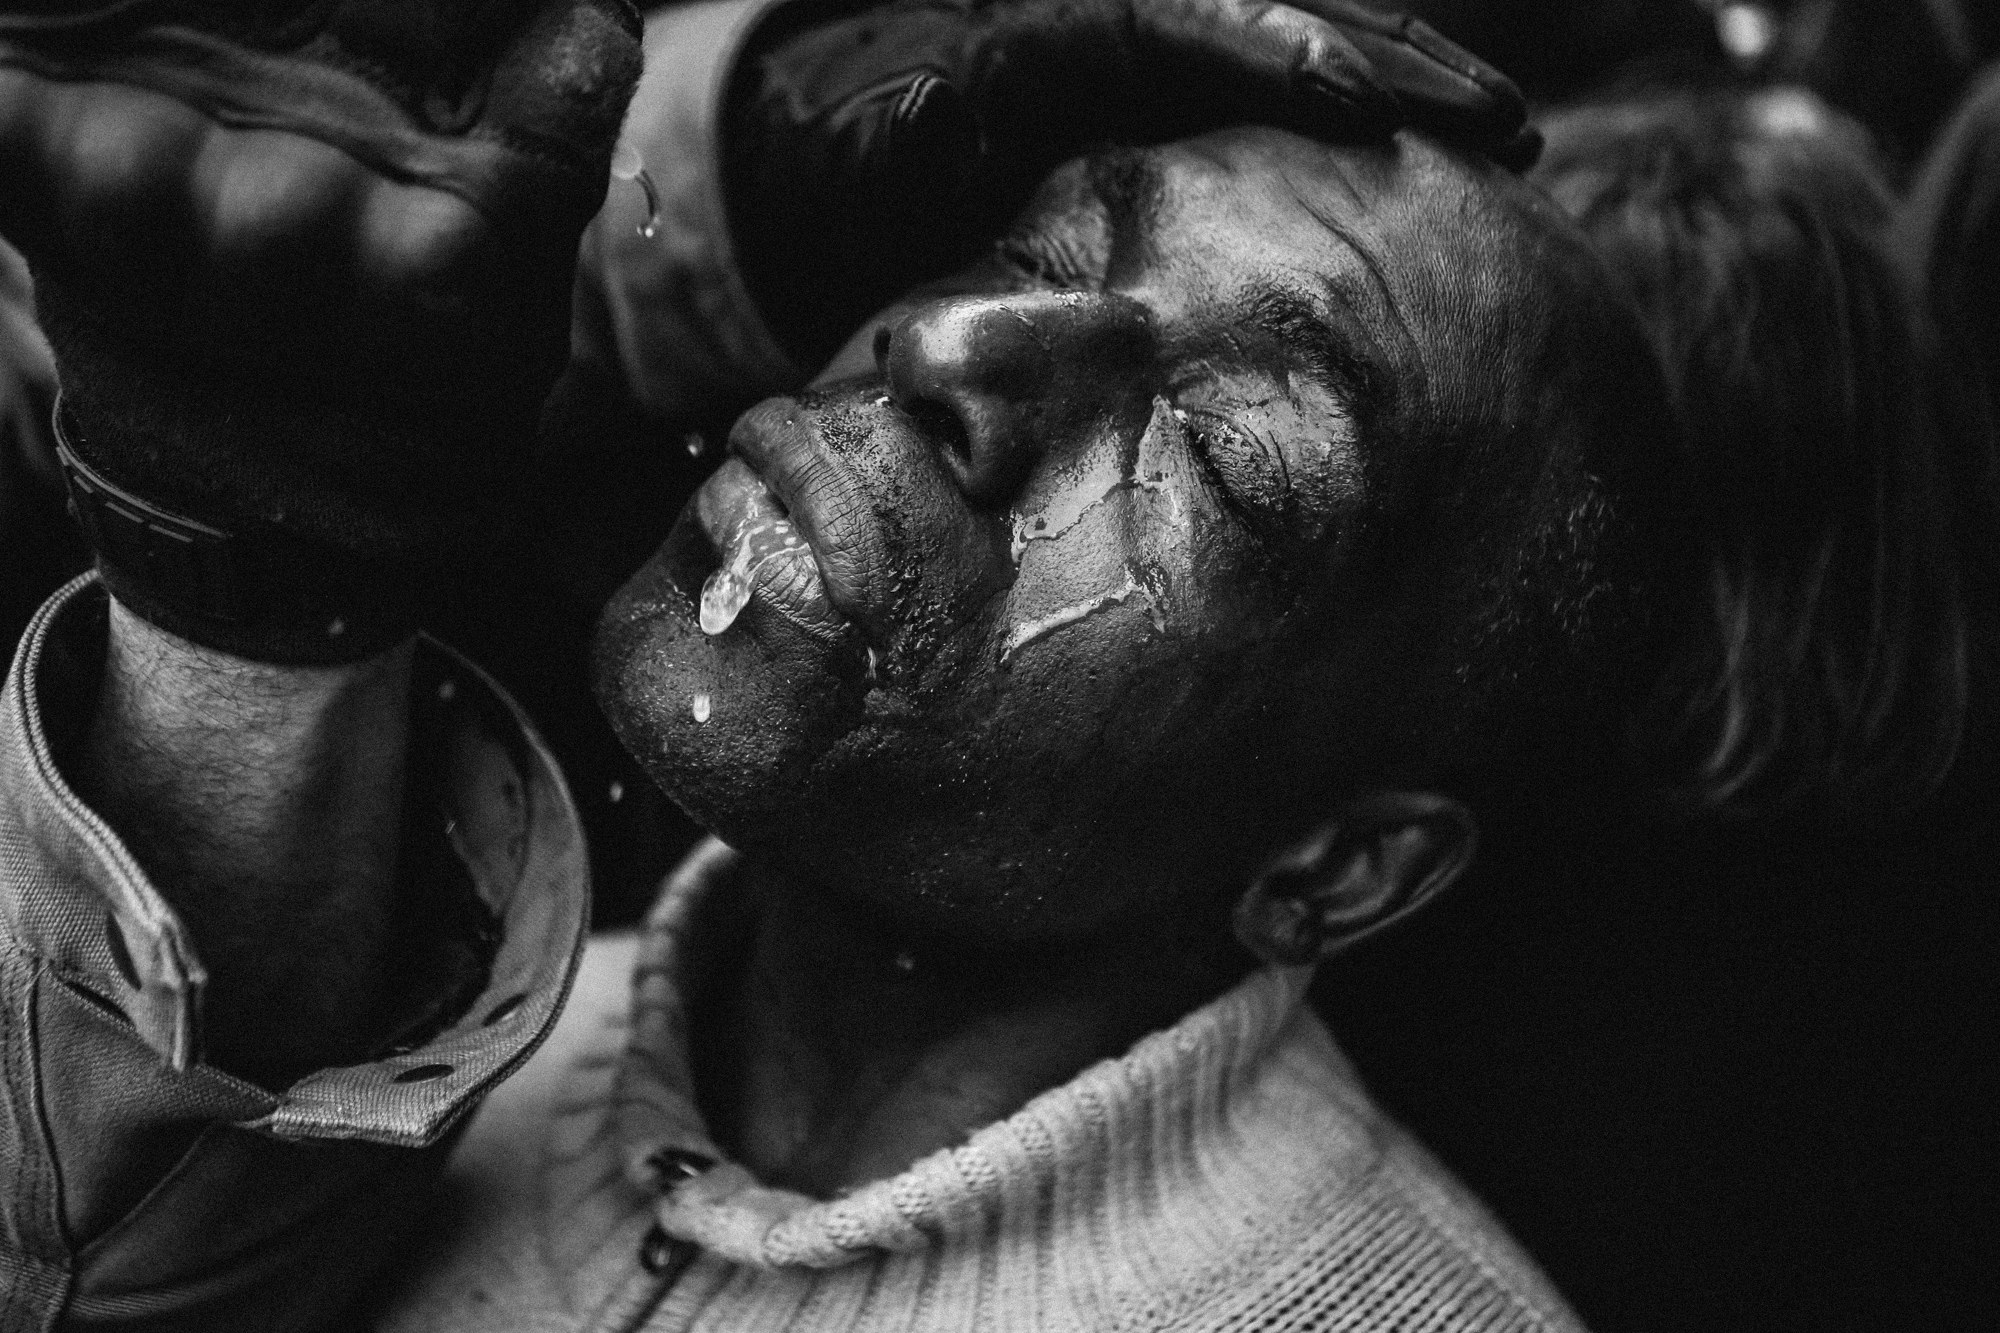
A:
[1129,184]
[1300,323]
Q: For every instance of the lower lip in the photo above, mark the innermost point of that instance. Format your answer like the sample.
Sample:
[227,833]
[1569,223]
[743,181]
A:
[750,531]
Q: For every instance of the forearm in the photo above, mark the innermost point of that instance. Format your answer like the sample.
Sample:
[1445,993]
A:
[266,803]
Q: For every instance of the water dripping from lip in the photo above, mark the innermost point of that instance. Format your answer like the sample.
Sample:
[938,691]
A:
[727,591]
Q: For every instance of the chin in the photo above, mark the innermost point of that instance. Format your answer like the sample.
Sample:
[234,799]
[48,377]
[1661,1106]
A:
[730,726]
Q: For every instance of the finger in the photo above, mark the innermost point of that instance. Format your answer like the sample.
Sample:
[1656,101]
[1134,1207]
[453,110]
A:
[1295,59]
[466,309]
[94,177]
[1441,86]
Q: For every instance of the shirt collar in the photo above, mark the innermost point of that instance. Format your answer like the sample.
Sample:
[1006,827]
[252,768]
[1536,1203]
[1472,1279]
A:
[73,894]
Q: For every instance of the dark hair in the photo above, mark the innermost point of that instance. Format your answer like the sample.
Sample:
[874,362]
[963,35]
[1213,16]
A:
[1822,661]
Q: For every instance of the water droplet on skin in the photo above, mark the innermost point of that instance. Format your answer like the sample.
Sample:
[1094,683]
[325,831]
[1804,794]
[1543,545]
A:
[700,708]
[1070,509]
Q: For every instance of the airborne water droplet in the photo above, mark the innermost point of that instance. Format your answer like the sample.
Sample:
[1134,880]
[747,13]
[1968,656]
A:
[701,708]
[627,165]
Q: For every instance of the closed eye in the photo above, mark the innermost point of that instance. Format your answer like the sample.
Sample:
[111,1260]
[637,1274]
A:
[1298,325]
[1044,260]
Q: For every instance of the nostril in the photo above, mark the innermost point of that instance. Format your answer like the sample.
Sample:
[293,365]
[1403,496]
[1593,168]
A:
[942,426]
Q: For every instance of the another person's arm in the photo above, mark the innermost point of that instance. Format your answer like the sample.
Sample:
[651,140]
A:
[266,805]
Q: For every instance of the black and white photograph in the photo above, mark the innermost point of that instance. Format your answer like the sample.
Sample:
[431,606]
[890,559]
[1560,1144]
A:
[1000,666]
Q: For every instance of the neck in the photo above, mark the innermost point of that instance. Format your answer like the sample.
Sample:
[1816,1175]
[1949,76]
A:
[851,1053]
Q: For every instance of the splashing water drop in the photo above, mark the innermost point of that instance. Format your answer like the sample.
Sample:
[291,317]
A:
[701,708]
[627,165]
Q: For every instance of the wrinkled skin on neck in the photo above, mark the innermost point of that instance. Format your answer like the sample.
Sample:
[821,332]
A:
[1134,549]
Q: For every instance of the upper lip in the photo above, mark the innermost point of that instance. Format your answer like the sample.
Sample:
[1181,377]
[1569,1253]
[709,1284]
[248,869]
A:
[779,440]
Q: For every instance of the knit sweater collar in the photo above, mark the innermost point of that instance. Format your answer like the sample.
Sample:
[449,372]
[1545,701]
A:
[1228,1172]
[1181,1076]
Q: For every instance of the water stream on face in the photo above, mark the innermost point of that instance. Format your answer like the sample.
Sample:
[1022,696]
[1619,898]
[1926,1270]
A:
[1131,474]
[1028,631]
[727,591]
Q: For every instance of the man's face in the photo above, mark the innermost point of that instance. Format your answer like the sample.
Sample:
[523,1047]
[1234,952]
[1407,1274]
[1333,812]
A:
[1080,581]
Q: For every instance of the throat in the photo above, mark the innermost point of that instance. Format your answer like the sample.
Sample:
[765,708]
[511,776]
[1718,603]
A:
[842,1053]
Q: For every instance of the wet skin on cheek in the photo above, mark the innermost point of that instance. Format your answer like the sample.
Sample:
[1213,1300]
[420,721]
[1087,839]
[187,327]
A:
[1069,560]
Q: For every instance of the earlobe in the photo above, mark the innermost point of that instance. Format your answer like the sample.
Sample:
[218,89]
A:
[1381,858]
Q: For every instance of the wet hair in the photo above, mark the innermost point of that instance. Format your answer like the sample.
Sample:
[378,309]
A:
[1822,654]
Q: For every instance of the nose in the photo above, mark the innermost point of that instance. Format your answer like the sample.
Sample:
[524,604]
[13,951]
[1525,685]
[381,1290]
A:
[998,381]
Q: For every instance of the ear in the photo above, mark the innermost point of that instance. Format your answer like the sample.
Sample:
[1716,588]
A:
[1384,856]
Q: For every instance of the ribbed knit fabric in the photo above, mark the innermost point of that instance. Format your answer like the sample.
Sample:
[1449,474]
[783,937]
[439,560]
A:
[1227,1173]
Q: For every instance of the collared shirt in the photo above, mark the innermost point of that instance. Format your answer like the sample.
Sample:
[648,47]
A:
[150,1190]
